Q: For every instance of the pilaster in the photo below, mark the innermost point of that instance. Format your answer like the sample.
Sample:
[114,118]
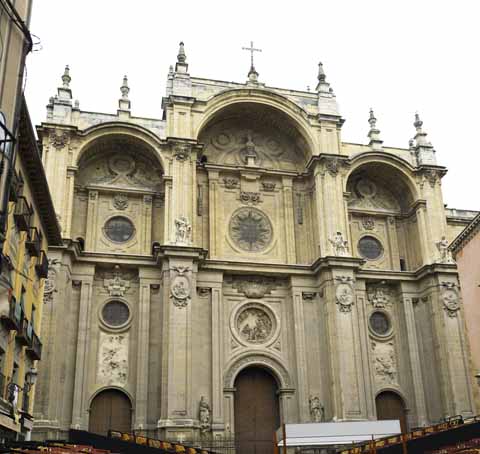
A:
[289,220]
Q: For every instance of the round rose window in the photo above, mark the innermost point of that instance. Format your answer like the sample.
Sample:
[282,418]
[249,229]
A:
[370,248]
[250,229]
[115,313]
[380,323]
[119,229]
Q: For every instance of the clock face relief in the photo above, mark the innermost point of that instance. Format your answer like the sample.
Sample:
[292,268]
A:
[251,230]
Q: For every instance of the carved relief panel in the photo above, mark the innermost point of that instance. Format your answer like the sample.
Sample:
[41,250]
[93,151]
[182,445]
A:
[112,364]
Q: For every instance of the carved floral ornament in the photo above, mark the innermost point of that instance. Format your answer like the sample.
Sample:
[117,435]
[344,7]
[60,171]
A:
[59,139]
[230,183]
[120,201]
[344,293]
[182,152]
[379,296]
[333,165]
[254,286]
[250,198]
[116,286]
[180,288]
[450,298]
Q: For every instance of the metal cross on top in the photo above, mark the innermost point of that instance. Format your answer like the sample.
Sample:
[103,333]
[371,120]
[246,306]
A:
[252,50]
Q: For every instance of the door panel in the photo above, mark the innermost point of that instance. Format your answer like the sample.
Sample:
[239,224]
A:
[256,411]
[390,406]
[110,410]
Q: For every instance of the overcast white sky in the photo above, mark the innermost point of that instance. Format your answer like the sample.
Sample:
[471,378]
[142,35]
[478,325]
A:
[394,56]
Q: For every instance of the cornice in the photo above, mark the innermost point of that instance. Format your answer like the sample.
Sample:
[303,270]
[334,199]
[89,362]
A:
[464,237]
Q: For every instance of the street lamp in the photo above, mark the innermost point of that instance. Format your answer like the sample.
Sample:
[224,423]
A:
[13,388]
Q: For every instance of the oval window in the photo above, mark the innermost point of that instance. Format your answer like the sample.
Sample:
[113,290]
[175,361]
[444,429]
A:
[380,323]
[119,229]
[370,248]
[115,313]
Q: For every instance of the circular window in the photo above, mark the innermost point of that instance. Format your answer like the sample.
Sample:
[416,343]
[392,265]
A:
[119,229]
[370,248]
[380,323]
[251,230]
[115,313]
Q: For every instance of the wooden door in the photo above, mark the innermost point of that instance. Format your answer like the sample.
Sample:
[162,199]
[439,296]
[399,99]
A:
[110,410]
[256,411]
[390,406]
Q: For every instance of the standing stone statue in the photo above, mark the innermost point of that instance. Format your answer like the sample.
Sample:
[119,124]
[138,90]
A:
[340,246]
[183,231]
[445,254]
[204,415]
[317,410]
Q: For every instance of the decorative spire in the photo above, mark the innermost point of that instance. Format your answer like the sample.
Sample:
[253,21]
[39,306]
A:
[124,102]
[66,78]
[181,57]
[374,133]
[423,149]
[252,74]
[170,70]
[321,73]
[124,89]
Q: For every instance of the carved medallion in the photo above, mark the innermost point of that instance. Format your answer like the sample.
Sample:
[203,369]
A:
[344,293]
[120,202]
[250,229]
[254,325]
[450,298]
[180,291]
[368,223]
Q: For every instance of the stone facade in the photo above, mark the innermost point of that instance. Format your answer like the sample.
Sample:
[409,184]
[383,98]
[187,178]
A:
[237,231]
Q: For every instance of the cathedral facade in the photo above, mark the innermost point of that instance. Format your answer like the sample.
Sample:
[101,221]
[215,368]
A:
[235,261]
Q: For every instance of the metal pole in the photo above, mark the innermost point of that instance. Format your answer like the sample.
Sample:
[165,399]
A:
[284,439]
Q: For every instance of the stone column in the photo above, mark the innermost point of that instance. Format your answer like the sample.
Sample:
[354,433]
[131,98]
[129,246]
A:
[212,215]
[285,396]
[141,394]
[289,220]
[146,223]
[300,353]
[229,410]
[92,211]
[178,410]
[168,234]
[217,357]
[79,410]
[417,378]
[67,229]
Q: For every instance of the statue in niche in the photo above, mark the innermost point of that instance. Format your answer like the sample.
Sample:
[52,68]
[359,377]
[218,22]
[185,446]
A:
[183,231]
[204,415]
[317,410]
[340,246]
[445,253]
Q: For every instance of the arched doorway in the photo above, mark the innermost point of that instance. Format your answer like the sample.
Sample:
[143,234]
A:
[390,406]
[110,409]
[257,414]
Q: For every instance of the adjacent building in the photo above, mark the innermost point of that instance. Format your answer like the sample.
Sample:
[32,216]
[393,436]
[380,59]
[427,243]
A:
[27,225]
[234,264]
[466,251]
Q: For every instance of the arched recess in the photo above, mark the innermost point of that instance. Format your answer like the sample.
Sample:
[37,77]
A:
[118,185]
[271,128]
[250,359]
[382,198]
[390,405]
[110,409]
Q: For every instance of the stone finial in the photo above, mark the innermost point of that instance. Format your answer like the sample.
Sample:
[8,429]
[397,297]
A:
[374,133]
[423,148]
[124,89]
[321,73]
[170,71]
[418,123]
[66,77]
[372,120]
[253,75]
[181,57]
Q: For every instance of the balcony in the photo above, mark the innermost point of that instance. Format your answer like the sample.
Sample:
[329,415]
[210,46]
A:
[42,266]
[35,351]
[22,214]
[10,313]
[25,333]
[34,242]
[16,186]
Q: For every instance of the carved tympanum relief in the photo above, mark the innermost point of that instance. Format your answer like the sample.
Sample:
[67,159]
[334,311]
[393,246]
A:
[122,169]
[262,141]
[113,359]
[254,324]
[250,229]
[384,362]
[366,194]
